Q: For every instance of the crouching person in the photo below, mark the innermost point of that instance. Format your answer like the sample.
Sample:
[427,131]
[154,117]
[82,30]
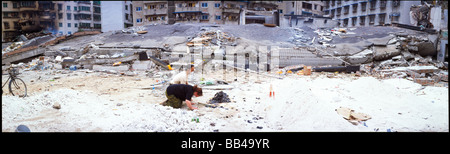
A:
[177,93]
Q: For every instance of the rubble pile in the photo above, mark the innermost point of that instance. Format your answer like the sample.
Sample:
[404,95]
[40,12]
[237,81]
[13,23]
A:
[212,37]
[300,38]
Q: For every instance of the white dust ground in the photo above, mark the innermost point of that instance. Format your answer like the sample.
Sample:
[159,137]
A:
[301,104]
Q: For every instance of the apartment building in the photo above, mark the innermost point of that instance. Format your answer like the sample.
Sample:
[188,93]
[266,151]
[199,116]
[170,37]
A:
[159,12]
[116,15]
[369,13]
[26,16]
[74,16]
[57,17]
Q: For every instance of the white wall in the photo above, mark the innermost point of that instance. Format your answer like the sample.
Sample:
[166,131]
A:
[113,16]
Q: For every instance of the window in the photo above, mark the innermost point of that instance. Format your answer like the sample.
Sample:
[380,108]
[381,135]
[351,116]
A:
[69,32]
[163,18]
[218,17]
[362,20]
[5,5]
[280,11]
[69,25]
[14,5]
[59,7]
[371,19]
[6,24]
[97,10]
[381,18]
[75,25]
[97,25]
[68,7]
[126,16]
[151,6]
[204,4]
[60,16]
[69,16]
[126,7]
[162,6]
[60,24]
[315,7]
[205,17]
[85,8]
[217,5]
[139,20]
[139,9]
[97,17]
[75,8]
[191,4]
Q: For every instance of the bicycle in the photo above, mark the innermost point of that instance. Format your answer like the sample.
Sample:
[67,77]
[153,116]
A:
[16,85]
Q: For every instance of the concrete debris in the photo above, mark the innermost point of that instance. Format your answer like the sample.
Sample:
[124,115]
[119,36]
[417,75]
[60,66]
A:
[351,116]
[220,97]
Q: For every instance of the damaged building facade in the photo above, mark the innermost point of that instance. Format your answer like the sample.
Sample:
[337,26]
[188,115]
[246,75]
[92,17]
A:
[369,13]
[56,17]
[215,12]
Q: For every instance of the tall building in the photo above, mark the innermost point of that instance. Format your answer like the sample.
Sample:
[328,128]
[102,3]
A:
[74,16]
[26,16]
[161,12]
[58,17]
[116,15]
[369,13]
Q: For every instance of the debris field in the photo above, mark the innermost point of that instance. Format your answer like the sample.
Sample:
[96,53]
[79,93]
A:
[365,79]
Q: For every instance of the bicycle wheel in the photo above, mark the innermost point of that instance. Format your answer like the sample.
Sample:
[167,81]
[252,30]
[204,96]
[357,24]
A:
[18,88]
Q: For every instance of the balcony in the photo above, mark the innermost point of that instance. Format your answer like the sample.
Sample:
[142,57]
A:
[29,8]
[155,11]
[231,10]
[181,9]
[84,3]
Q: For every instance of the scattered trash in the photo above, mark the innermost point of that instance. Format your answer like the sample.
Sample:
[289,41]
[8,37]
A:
[351,116]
